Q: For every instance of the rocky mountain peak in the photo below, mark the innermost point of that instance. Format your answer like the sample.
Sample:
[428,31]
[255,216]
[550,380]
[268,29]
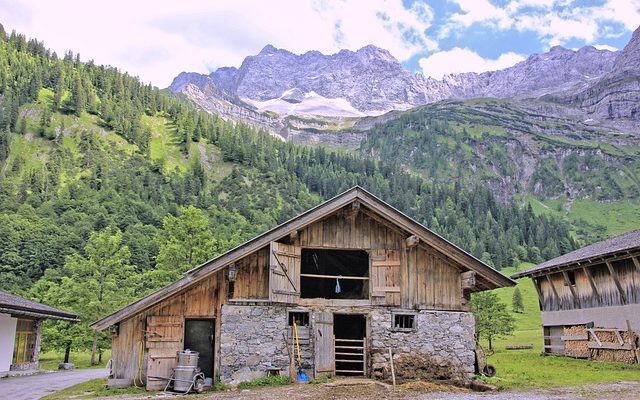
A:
[629,59]
[370,81]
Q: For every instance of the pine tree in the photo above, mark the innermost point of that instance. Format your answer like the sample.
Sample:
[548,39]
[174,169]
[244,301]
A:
[516,301]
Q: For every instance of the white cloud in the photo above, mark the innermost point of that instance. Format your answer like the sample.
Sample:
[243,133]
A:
[158,39]
[605,47]
[459,60]
[554,21]
[476,11]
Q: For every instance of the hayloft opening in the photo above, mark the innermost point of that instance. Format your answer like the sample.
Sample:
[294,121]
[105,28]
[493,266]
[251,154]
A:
[334,274]
[350,336]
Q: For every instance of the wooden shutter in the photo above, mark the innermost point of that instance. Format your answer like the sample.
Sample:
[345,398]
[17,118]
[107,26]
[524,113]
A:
[164,337]
[385,277]
[284,275]
[324,356]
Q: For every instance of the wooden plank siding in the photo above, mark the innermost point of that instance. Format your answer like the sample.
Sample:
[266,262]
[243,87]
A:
[417,277]
[252,276]
[135,338]
[598,277]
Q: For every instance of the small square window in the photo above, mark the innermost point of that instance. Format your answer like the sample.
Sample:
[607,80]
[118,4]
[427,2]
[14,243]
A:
[301,318]
[404,322]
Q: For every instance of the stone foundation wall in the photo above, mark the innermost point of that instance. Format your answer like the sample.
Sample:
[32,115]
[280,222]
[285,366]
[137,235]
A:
[441,347]
[251,340]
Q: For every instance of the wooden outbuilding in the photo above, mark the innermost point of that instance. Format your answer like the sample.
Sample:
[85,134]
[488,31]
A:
[356,276]
[21,331]
[590,300]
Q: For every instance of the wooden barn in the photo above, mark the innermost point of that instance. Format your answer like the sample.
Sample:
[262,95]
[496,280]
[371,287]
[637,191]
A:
[590,300]
[357,275]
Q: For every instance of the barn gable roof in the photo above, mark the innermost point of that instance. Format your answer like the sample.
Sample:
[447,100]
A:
[489,278]
[16,305]
[627,242]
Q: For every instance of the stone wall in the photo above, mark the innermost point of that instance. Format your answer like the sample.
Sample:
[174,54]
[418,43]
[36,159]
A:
[441,347]
[251,340]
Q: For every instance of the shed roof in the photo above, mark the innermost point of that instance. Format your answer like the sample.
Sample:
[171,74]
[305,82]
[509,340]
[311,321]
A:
[490,278]
[16,305]
[627,242]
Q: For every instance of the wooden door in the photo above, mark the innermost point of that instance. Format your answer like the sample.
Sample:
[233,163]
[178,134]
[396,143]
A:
[164,338]
[284,275]
[385,277]
[324,356]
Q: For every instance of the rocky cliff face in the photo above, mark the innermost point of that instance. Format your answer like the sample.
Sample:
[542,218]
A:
[616,94]
[371,82]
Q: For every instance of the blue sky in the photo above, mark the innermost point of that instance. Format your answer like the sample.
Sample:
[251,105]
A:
[156,40]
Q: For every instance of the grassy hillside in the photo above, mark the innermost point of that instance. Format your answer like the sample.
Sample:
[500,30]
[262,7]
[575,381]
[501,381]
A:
[594,217]
[528,368]
[519,151]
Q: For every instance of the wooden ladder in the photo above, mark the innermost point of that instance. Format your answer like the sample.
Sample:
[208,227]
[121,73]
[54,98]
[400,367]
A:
[352,352]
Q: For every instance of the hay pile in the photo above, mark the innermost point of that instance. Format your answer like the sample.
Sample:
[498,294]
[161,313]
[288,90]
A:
[425,386]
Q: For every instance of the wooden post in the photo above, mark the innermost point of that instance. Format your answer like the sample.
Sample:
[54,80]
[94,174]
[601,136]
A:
[36,346]
[292,367]
[536,283]
[636,262]
[632,338]
[393,371]
[614,276]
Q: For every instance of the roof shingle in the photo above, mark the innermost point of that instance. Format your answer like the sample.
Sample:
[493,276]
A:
[11,302]
[624,242]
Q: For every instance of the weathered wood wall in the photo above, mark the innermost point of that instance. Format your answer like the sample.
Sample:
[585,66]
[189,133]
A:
[558,295]
[415,277]
[252,281]
[131,346]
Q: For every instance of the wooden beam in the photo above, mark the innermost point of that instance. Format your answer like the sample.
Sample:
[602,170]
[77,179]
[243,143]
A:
[411,241]
[468,279]
[592,282]
[636,262]
[567,281]
[614,276]
[583,263]
[553,289]
[536,283]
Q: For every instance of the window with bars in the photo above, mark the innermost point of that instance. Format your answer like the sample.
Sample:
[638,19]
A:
[24,345]
[301,318]
[404,322]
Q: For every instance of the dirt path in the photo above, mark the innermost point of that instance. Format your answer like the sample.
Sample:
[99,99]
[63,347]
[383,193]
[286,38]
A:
[370,390]
[36,386]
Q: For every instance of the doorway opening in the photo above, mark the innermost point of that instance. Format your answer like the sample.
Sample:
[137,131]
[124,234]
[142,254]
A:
[334,274]
[349,331]
[199,336]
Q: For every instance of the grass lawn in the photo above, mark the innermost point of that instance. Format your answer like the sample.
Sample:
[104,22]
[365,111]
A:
[49,360]
[527,369]
[94,388]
